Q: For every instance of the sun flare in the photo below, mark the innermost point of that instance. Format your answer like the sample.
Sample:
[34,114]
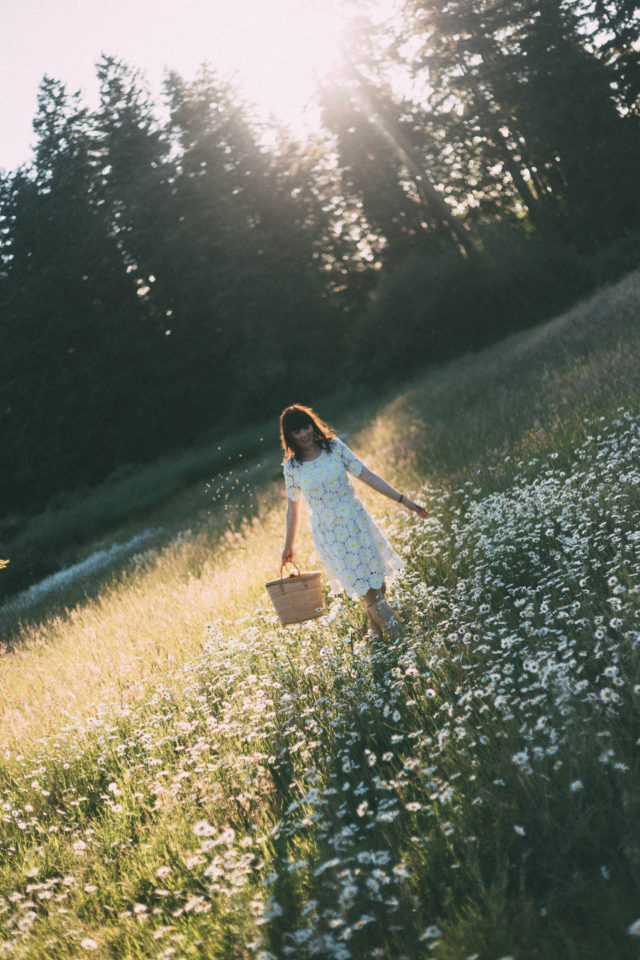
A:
[278,49]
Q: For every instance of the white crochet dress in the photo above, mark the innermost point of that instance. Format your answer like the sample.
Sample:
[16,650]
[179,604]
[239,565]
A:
[355,554]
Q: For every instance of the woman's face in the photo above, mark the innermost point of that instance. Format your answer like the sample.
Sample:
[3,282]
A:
[303,437]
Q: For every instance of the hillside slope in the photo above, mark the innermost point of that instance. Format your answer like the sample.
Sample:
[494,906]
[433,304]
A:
[245,790]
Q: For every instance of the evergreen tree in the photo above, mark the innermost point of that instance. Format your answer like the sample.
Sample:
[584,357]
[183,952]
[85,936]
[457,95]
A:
[533,101]
[136,176]
[70,300]
[383,158]
[616,42]
[251,298]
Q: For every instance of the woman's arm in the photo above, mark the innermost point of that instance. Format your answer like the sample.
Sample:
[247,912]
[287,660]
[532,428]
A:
[291,529]
[377,483]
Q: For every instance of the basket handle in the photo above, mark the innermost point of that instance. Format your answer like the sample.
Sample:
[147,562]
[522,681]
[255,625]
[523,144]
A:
[294,564]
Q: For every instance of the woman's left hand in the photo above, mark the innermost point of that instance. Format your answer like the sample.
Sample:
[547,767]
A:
[415,507]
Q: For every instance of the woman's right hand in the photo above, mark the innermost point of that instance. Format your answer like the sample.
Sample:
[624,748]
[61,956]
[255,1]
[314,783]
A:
[287,555]
[415,507]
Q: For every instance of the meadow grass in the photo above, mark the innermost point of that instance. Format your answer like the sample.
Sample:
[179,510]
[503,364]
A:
[185,778]
[79,524]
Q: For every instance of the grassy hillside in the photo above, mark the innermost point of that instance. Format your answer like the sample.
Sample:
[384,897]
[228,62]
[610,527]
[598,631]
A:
[184,778]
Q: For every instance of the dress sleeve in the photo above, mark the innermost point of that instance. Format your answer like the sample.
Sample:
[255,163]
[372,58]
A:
[348,457]
[291,481]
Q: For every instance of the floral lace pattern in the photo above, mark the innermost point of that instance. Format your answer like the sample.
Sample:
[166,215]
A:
[353,551]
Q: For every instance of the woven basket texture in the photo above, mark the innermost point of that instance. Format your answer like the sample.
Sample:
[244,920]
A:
[297,598]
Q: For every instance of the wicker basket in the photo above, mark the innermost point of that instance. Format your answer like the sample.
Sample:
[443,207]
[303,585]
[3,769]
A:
[297,597]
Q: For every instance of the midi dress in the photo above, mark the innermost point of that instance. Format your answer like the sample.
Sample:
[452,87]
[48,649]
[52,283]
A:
[353,551]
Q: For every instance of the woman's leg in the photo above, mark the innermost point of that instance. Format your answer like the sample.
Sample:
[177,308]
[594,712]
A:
[370,597]
[379,613]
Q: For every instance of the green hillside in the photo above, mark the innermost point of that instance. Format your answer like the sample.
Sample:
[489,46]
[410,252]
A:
[182,778]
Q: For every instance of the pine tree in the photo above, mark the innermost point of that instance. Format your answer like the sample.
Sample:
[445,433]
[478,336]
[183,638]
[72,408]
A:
[534,100]
[384,164]
[71,302]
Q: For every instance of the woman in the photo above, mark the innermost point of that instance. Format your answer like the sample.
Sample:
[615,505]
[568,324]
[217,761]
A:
[353,551]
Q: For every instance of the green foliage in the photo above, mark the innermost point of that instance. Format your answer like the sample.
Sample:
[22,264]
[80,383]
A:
[125,505]
[430,307]
[528,111]
[619,21]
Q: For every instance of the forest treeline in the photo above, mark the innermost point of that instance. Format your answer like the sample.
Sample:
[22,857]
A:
[173,270]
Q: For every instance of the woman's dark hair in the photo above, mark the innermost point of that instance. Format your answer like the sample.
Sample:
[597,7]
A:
[297,417]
